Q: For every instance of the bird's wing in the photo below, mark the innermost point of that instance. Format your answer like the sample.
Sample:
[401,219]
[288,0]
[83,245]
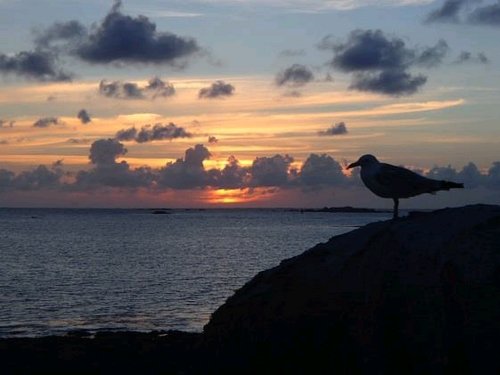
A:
[403,182]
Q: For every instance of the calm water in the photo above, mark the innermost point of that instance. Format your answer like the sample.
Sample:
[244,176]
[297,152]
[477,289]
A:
[62,270]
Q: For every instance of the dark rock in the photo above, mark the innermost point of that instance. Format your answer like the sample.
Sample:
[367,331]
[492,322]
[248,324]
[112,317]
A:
[415,295]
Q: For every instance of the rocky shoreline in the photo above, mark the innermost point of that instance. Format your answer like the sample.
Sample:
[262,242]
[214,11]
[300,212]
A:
[417,295]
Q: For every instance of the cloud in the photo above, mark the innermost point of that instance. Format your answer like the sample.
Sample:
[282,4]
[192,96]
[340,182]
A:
[232,176]
[296,75]
[486,15]
[84,116]
[59,31]
[433,56]
[292,53]
[45,122]
[7,123]
[212,139]
[150,133]
[448,12]
[187,173]
[126,39]
[129,90]
[270,171]
[218,89]
[466,56]
[120,90]
[395,83]
[108,172]
[40,178]
[106,151]
[381,64]
[37,65]
[158,88]
[336,129]
[320,171]
[466,11]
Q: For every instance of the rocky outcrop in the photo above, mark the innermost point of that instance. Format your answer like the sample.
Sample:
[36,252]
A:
[416,295]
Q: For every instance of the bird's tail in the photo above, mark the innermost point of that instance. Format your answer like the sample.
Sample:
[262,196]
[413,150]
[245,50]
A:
[447,185]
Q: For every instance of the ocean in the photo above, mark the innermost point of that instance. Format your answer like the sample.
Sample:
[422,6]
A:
[74,269]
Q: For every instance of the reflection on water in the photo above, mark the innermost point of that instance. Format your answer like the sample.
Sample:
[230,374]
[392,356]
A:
[128,269]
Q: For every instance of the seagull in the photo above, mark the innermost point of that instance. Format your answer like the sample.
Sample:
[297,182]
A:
[389,181]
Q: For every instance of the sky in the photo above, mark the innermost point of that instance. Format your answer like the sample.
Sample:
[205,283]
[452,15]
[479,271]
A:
[245,103]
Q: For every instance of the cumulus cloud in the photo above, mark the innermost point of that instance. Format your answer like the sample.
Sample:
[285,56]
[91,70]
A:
[150,133]
[381,64]
[108,172]
[84,116]
[466,11]
[187,173]
[232,176]
[37,65]
[126,39]
[319,171]
[45,122]
[296,75]
[336,129]
[39,178]
[270,171]
[218,89]
[129,90]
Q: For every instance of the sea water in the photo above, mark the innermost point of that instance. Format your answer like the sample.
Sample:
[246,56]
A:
[63,270]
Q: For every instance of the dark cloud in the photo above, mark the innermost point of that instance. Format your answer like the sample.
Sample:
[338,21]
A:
[292,53]
[120,90]
[7,123]
[106,151]
[270,171]
[150,133]
[126,39]
[39,178]
[466,56]
[59,32]
[45,122]
[128,90]
[466,11]
[108,172]
[212,139]
[84,116]
[486,15]
[218,89]
[389,82]
[187,173]
[336,129]
[433,56]
[232,176]
[296,75]
[448,12]
[158,88]
[381,64]
[321,170]
[38,65]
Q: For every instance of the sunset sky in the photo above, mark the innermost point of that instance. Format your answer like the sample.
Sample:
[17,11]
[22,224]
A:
[245,103]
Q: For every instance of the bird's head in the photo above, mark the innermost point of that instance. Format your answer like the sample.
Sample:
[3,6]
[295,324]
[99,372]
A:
[364,161]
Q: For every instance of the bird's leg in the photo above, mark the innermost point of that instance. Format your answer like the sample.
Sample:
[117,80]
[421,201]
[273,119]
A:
[395,213]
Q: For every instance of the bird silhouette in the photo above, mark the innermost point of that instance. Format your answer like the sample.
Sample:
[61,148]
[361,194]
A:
[389,181]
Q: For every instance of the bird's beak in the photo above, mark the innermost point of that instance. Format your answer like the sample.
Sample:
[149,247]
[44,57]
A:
[356,164]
